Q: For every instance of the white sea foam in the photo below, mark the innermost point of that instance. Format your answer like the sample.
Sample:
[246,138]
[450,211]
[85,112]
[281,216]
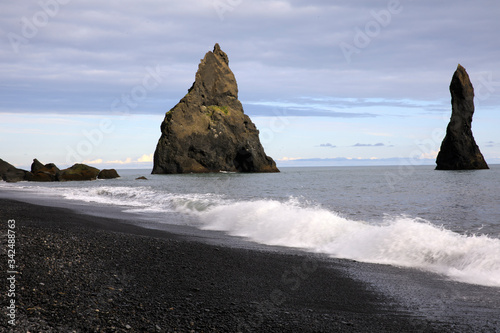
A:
[139,199]
[400,241]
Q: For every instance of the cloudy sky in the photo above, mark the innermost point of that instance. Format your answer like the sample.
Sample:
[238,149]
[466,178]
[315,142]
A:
[326,82]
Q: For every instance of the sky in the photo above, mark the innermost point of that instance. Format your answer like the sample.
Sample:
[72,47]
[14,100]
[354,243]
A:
[326,82]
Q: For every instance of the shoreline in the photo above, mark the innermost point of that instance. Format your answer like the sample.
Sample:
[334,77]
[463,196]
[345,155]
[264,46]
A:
[87,273]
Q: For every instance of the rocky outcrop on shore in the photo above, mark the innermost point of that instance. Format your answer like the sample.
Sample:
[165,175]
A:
[50,172]
[207,131]
[108,174]
[459,150]
[42,173]
[78,172]
[10,173]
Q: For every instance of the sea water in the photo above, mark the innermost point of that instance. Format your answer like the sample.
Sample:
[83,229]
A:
[446,222]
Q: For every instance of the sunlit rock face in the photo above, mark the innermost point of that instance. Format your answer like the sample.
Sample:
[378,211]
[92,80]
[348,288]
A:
[207,131]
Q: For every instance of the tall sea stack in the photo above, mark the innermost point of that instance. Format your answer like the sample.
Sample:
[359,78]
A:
[207,131]
[459,150]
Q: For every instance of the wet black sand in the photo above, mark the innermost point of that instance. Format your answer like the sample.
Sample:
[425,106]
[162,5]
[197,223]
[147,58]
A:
[92,274]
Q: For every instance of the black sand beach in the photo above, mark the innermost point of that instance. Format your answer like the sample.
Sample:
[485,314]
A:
[80,273]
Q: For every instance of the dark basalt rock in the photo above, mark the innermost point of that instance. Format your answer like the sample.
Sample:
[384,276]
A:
[78,172]
[459,150]
[42,173]
[10,173]
[108,174]
[50,172]
[36,166]
[207,131]
[39,177]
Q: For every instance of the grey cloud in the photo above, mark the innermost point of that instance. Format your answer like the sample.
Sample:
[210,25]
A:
[380,144]
[490,144]
[256,109]
[91,51]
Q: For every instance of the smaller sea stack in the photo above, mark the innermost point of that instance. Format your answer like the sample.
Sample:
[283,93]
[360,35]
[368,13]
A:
[459,150]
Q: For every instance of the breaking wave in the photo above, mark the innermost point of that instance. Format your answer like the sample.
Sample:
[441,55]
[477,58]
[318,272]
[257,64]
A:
[400,241]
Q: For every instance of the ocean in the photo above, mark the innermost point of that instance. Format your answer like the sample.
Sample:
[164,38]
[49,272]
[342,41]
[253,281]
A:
[444,222]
